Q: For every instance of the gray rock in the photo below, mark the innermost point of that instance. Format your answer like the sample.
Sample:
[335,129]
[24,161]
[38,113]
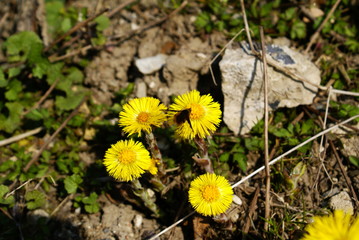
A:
[243,88]
[342,201]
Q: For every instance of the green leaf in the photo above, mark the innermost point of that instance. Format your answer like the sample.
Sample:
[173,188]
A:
[3,81]
[4,166]
[224,157]
[12,121]
[241,159]
[70,102]
[14,88]
[24,46]
[280,132]
[103,22]
[72,183]
[254,143]
[3,191]
[91,204]
[74,75]
[289,13]
[66,24]
[298,30]
[354,160]
[35,199]
[38,114]
[307,127]
[13,72]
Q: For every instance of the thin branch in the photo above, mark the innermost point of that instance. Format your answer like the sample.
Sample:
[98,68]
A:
[42,99]
[246,27]
[347,179]
[119,8]
[44,146]
[20,136]
[266,147]
[74,29]
[252,208]
[220,52]
[13,191]
[317,32]
[53,58]
[171,226]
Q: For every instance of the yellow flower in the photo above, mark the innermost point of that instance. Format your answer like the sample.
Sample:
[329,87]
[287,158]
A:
[210,194]
[338,226]
[127,160]
[141,114]
[153,168]
[204,115]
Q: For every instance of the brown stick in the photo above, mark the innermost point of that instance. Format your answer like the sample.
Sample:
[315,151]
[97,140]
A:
[74,29]
[266,147]
[70,54]
[252,208]
[347,179]
[246,27]
[36,156]
[121,6]
[42,99]
[317,32]
[20,136]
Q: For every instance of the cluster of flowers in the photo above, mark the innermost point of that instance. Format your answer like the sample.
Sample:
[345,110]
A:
[195,116]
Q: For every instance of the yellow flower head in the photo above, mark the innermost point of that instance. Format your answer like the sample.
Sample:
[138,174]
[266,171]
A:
[204,115]
[127,160]
[210,194]
[338,226]
[141,114]
[153,168]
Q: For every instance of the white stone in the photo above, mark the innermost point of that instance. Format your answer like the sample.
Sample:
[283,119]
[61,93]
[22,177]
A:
[342,201]
[152,64]
[243,88]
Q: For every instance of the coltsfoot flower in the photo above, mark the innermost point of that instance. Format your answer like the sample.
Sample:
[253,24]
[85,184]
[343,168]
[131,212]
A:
[127,160]
[338,226]
[153,168]
[141,114]
[204,115]
[210,194]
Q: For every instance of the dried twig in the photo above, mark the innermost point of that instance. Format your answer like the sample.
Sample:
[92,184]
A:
[70,54]
[317,32]
[246,27]
[266,147]
[74,29]
[20,136]
[119,8]
[36,156]
[347,179]
[42,99]
[252,208]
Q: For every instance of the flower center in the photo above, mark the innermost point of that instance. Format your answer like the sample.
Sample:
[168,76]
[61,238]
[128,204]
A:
[143,117]
[197,111]
[126,156]
[210,193]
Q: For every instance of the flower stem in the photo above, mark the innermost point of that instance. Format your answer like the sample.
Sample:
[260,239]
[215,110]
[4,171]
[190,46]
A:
[202,158]
[146,196]
[155,151]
